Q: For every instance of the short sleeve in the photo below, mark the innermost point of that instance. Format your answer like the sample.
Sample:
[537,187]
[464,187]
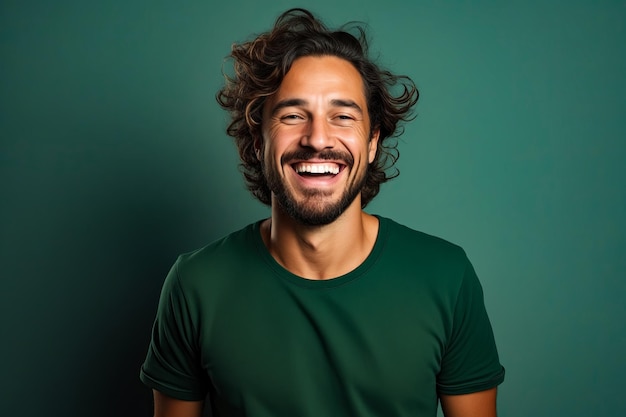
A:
[173,364]
[470,361]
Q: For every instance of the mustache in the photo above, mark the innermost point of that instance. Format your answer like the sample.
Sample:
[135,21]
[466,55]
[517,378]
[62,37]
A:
[306,154]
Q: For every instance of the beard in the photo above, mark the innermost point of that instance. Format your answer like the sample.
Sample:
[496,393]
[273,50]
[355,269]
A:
[314,208]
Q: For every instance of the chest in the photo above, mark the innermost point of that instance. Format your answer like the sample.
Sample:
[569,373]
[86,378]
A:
[359,348]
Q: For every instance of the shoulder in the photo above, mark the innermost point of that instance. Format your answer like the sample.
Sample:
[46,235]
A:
[219,259]
[407,241]
[433,264]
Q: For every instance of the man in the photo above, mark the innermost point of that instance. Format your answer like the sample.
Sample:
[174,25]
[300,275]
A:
[322,309]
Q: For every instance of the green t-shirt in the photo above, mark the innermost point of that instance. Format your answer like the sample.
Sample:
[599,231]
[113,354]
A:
[383,340]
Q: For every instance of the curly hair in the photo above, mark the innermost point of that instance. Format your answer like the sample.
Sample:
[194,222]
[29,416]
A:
[260,66]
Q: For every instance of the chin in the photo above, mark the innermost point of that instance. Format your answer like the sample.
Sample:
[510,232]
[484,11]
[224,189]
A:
[315,213]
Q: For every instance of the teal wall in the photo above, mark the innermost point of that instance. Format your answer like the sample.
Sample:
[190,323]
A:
[113,160]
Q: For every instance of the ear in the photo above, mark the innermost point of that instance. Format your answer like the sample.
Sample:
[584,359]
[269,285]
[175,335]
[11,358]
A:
[373,145]
[258,147]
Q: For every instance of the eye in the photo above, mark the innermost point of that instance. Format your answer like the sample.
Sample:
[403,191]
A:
[344,119]
[291,118]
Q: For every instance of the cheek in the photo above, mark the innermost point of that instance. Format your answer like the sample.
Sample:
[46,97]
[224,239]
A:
[369,148]
[268,143]
[279,140]
[271,153]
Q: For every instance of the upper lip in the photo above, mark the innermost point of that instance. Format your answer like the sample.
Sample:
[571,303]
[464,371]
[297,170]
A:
[340,164]
[342,159]
[316,161]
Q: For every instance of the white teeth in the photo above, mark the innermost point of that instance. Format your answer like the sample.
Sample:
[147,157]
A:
[318,168]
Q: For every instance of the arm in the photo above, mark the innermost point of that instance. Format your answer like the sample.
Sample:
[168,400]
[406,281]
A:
[477,404]
[165,406]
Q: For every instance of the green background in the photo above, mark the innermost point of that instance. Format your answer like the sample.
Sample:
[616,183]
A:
[113,160]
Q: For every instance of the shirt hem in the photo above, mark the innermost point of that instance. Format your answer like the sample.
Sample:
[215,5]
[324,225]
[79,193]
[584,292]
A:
[168,390]
[473,387]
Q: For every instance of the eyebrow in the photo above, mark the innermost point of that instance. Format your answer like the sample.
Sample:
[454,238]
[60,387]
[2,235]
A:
[298,102]
[346,103]
[290,102]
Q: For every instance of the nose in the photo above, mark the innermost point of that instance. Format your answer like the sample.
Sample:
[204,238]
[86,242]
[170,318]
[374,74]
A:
[317,136]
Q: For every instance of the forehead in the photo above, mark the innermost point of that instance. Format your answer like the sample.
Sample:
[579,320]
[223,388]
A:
[322,77]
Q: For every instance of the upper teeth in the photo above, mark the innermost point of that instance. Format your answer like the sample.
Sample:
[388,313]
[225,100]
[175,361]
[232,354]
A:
[318,168]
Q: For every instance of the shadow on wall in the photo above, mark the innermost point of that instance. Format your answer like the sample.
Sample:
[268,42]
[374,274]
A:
[99,216]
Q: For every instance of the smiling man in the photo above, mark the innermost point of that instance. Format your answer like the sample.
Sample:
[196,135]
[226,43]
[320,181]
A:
[317,140]
[321,309]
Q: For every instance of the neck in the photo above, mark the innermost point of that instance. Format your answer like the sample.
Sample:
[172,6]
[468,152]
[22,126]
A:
[321,252]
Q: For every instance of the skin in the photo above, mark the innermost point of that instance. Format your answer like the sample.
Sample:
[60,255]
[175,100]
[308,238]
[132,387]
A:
[165,406]
[477,404]
[319,107]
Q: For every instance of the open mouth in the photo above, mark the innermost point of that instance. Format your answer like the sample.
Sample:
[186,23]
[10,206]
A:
[307,169]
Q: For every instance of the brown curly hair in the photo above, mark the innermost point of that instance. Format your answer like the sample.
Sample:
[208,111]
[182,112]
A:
[260,66]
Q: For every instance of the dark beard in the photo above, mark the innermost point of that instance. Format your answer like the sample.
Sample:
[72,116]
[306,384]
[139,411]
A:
[313,210]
